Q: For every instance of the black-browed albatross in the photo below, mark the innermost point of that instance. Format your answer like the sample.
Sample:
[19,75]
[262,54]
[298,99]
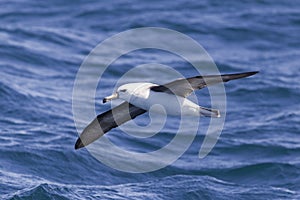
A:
[140,97]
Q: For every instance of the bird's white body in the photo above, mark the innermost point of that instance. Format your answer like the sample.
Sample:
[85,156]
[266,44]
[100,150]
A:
[141,95]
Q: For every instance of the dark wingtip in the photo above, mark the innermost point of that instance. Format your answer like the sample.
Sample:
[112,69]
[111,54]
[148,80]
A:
[246,74]
[254,72]
[78,144]
[251,73]
[242,75]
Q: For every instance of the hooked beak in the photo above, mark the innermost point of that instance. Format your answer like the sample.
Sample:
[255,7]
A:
[111,97]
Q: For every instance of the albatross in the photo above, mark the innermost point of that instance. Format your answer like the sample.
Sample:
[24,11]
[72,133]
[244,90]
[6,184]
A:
[140,98]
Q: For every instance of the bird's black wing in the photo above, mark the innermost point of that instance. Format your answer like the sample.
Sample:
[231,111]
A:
[184,87]
[107,121]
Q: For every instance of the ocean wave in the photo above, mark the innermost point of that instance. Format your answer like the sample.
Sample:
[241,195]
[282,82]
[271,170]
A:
[192,187]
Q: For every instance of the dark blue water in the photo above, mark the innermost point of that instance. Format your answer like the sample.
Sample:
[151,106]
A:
[42,47]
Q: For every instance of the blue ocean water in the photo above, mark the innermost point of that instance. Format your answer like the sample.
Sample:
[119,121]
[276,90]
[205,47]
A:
[43,45]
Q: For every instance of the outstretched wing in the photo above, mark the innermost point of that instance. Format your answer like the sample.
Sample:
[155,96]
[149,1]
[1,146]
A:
[107,121]
[184,87]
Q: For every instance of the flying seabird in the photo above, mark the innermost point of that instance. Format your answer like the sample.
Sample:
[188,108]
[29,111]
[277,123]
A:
[140,97]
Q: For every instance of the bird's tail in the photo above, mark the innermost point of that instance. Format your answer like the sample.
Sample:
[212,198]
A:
[208,112]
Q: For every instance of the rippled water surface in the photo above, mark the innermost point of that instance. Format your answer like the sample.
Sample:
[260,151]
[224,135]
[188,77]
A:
[43,45]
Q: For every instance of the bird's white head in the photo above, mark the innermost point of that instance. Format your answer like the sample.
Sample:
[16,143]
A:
[127,91]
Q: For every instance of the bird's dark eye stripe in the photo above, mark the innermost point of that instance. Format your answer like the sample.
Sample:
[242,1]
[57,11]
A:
[124,90]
